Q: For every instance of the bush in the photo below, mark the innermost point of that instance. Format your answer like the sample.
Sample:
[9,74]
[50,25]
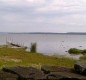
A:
[33,48]
[74,51]
[84,51]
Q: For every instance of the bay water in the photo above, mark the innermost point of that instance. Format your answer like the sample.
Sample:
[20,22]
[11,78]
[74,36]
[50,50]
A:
[49,44]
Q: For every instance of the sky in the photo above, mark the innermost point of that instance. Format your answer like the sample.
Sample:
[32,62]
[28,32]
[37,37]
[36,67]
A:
[43,16]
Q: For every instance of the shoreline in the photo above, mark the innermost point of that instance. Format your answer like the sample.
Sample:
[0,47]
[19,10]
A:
[72,56]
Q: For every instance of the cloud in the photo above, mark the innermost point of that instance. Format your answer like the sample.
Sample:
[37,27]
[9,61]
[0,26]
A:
[63,5]
[39,14]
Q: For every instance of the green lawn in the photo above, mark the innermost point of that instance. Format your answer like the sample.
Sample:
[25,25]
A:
[16,56]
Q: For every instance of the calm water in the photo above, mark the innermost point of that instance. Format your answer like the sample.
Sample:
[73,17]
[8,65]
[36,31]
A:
[47,43]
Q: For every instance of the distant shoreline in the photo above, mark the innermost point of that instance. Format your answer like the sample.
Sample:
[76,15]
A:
[68,33]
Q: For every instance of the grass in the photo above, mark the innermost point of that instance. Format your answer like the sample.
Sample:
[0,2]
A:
[18,56]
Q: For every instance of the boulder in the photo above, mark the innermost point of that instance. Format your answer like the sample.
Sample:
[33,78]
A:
[26,73]
[48,69]
[80,67]
[7,76]
[65,76]
[54,76]
[61,73]
[46,72]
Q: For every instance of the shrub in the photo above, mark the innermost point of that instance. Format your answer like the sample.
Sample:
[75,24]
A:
[84,51]
[74,51]
[33,48]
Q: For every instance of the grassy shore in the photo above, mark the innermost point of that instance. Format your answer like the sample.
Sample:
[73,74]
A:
[18,57]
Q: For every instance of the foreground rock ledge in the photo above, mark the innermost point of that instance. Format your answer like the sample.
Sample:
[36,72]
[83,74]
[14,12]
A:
[46,72]
[80,67]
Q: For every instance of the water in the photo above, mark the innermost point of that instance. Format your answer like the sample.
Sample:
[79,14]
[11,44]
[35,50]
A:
[47,43]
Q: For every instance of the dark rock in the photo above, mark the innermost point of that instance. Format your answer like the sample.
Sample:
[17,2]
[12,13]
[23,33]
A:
[48,69]
[69,79]
[54,76]
[26,73]
[61,73]
[7,76]
[80,67]
[65,76]
[46,72]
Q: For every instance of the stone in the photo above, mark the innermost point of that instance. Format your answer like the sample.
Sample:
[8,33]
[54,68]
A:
[26,73]
[80,67]
[48,69]
[7,76]
[65,76]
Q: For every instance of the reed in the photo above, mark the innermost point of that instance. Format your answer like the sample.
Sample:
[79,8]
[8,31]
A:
[33,48]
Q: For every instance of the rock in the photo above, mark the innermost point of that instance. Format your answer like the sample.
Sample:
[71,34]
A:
[80,67]
[65,76]
[54,76]
[46,72]
[26,73]
[61,73]
[7,76]
[48,69]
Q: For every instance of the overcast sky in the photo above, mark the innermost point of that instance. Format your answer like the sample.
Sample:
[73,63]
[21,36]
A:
[42,15]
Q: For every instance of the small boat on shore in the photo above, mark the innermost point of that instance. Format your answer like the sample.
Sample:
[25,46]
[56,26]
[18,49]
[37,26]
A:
[14,45]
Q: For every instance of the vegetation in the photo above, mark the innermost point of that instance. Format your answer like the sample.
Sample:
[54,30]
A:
[18,56]
[83,57]
[77,51]
[33,48]
[84,51]
[74,51]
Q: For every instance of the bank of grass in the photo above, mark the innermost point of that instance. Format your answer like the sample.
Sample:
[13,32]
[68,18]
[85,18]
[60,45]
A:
[18,57]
